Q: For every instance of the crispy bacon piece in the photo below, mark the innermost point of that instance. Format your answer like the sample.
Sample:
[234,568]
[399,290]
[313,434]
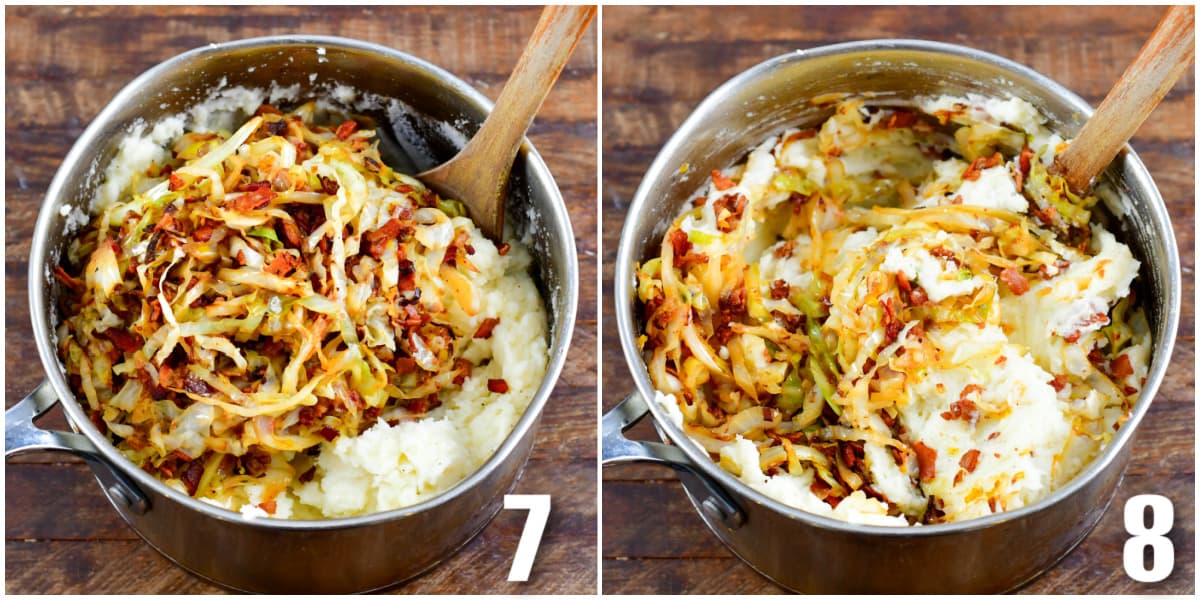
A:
[290,233]
[780,289]
[1016,282]
[282,264]
[405,365]
[328,185]
[926,461]
[191,476]
[1121,367]
[346,129]
[268,507]
[503,249]
[970,460]
[377,240]
[328,433]
[891,325]
[203,233]
[1059,382]
[255,196]
[1092,320]
[485,328]
[175,182]
[720,181]
[1045,215]
[125,341]
[963,408]
[728,210]
[980,164]
[731,306]
[497,386]
[308,475]
[1024,161]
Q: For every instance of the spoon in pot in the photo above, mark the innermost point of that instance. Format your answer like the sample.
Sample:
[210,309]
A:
[1159,64]
[478,175]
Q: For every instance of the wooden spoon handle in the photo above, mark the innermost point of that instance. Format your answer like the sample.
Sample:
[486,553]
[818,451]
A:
[554,39]
[1161,62]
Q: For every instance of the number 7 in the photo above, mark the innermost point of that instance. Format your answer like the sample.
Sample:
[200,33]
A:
[538,506]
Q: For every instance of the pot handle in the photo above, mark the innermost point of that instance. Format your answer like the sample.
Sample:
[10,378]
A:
[617,449]
[21,435]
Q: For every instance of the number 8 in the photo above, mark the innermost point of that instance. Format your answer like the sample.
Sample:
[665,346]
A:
[1162,551]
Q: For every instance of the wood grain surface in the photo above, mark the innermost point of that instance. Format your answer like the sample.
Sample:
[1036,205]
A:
[64,64]
[660,62]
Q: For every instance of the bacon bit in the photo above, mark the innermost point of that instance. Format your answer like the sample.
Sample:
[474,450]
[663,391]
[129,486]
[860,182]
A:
[970,460]
[1121,367]
[372,164]
[203,233]
[267,109]
[423,405]
[197,386]
[728,210]
[1092,320]
[680,243]
[166,223]
[308,475]
[731,306]
[125,341]
[282,264]
[958,478]
[346,129]
[258,197]
[328,433]
[497,386]
[1001,360]
[503,249]
[964,408]
[241,258]
[902,282]
[462,368]
[980,164]
[900,119]
[1059,382]
[1016,282]
[891,324]
[405,365]
[785,250]
[485,328]
[328,185]
[992,504]
[377,240]
[1046,215]
[943,252]
[780,289]
[191,476]
[1025,160]
[169,377]
[720,181]
[72,283]
[268,506]
[290,232]
[993,435]
[918,297]
[175,182]
[834,151]
[926,460]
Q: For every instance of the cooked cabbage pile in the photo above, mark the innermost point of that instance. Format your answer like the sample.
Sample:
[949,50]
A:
[898,317]
[238,314]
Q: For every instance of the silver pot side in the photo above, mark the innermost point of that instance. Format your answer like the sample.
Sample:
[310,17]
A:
[327,556]
[809,553]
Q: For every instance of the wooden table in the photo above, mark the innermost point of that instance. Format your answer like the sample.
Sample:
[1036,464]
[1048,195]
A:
[660,62]
[63,66]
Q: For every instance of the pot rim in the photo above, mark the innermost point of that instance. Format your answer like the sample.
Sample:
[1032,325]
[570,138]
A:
[557,221]
[1162,348]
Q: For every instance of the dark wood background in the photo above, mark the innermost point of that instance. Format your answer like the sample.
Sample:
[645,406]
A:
[64,64]
[660,62]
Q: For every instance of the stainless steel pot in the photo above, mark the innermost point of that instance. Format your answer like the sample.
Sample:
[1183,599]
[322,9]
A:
[815,554]
[336,555]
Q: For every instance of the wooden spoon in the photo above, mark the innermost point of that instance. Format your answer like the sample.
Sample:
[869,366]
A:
[1157,67]
[478,174]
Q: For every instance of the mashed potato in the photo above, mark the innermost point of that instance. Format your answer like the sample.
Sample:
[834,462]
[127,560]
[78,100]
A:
[898,317]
